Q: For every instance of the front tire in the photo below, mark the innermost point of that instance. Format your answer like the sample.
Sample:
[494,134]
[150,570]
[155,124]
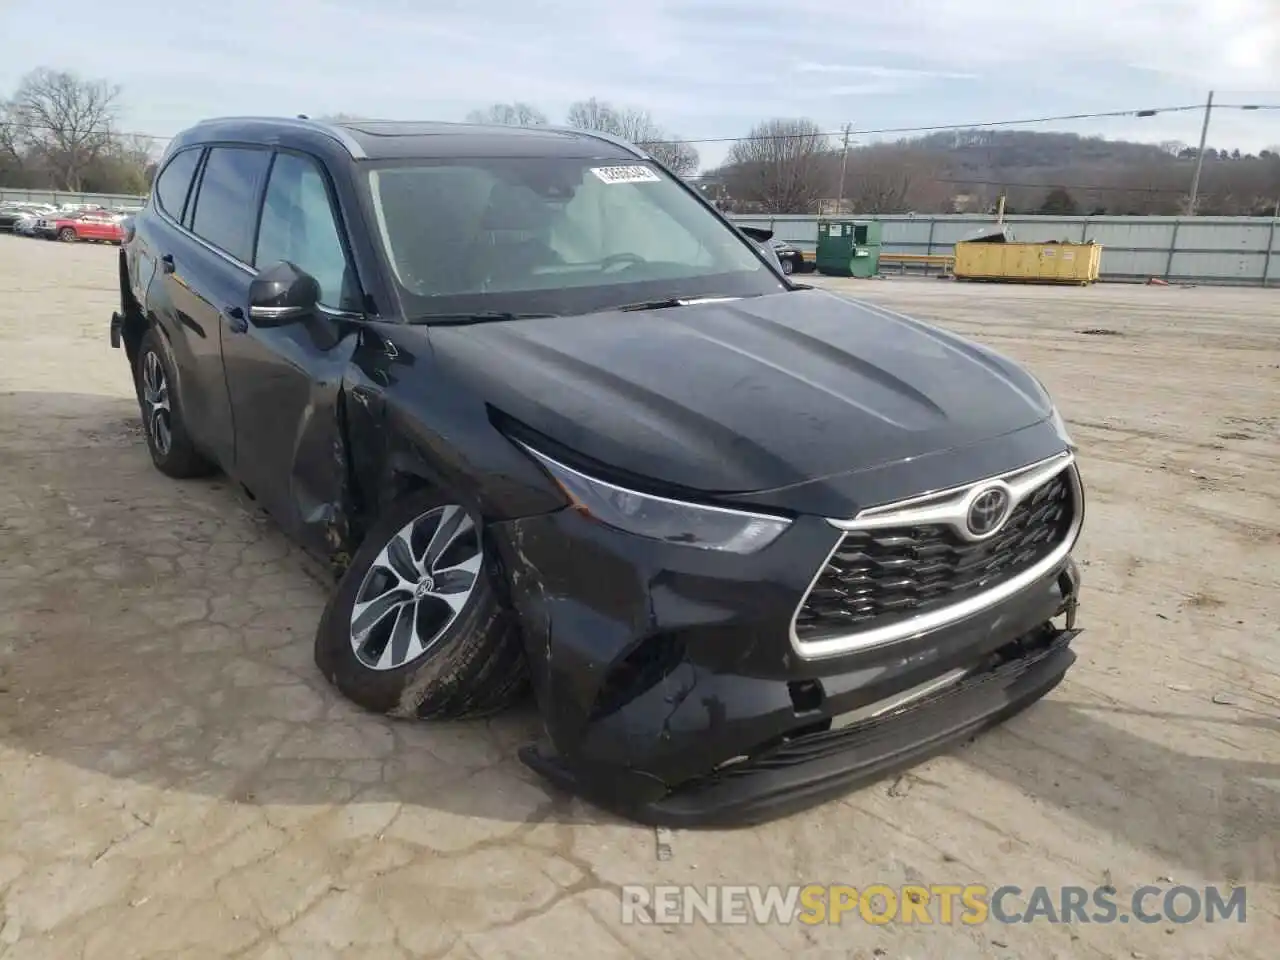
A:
[170,446]
[787,267]
[415,628]
[67,234]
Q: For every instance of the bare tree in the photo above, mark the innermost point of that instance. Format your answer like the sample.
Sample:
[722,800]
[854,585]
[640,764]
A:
[894,178]
[593,115]
[509,114]
[125,166]
[679,157]
[1148,189]
[638,127]
[65,121]
[781,164]
[10,143]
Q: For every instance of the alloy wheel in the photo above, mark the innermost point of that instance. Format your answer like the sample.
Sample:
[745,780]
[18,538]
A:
[155,394]
[416,587]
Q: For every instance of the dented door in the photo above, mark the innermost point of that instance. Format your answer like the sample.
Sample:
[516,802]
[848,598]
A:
[284,384]
[285,380]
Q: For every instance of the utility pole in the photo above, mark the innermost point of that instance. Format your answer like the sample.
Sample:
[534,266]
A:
[844,164]
[1204,135]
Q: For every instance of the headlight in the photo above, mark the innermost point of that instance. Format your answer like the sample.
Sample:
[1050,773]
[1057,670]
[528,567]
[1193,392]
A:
[1060,425]
[657,518]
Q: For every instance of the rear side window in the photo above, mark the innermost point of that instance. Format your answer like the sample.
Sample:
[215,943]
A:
[227,202]
[174,181]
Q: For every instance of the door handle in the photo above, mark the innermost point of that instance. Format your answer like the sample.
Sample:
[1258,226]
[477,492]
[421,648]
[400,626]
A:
[235,319]
[166,263]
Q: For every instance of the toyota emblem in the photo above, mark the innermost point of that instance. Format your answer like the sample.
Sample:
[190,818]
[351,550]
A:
[988,511]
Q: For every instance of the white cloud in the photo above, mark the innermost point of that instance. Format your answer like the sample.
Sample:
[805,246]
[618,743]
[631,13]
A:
[705,68]
[1220,42]
[880,73]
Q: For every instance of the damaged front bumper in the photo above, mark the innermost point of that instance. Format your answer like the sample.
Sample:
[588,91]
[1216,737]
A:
[811,767]
[670,693]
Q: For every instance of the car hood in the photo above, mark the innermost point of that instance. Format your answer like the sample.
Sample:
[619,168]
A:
[744,395]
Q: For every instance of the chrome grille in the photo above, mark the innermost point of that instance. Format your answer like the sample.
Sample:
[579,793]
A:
[899,563]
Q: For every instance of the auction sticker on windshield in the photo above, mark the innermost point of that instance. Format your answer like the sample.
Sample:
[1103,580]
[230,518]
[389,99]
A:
[631,173]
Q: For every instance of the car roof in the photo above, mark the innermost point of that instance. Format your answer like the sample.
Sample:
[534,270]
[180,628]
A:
[398,139]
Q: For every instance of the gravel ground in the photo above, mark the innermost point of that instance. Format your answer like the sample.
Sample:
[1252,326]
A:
[179,782]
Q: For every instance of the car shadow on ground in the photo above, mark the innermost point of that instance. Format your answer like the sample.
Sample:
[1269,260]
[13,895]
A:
[1219,818]
[159,632]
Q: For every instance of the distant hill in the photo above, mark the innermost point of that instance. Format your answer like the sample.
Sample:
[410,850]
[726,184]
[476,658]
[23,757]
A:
[966,170]
[1111,176]
[988,152]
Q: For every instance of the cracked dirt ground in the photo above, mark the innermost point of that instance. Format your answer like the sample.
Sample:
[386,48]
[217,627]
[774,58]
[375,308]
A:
[177,781]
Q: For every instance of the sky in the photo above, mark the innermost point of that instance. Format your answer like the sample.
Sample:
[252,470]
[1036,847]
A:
[703,68]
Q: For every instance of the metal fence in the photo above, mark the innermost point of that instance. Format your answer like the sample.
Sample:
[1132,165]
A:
[1235,250]
[60,197]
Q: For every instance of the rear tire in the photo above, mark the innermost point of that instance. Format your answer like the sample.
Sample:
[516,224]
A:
[787,267]
[168,442]
[390,642]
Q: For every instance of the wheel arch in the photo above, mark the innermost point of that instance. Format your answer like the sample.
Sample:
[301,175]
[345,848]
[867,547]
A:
[390,456]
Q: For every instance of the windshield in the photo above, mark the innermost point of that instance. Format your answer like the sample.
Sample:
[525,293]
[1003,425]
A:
[552,235]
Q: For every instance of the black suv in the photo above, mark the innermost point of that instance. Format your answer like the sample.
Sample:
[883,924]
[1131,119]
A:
[550,416]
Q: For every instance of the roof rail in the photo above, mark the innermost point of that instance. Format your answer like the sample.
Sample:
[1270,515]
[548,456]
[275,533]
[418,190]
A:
[331,130]
[606,137]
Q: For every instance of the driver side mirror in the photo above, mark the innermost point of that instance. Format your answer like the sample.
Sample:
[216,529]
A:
[281,294]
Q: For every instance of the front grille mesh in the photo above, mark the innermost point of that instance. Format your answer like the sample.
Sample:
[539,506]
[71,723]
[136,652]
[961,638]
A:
[876,577]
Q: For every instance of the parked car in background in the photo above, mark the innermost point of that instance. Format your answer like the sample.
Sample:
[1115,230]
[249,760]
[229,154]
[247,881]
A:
[94,226]
[25,226]
[786,257]
[11,213]
[46,223]
[790,257]
[550,417]
[45,226]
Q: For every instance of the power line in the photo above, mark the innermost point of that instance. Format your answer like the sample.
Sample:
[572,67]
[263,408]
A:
[935,128]
[929,128]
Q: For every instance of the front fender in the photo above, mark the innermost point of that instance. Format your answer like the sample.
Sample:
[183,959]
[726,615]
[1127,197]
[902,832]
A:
[409,424]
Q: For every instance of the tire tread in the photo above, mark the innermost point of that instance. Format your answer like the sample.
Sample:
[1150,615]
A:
[183,461]
[478,668]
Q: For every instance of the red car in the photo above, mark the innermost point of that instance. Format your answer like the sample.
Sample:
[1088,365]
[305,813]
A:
[87,227]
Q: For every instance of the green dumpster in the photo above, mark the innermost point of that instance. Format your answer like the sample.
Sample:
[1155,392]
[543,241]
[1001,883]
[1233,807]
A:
[848,248]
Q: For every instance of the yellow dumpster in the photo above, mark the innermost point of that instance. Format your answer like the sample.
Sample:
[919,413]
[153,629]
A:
[1028,262]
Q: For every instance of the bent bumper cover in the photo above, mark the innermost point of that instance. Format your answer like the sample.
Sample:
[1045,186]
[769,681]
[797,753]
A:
[669,691]
[808,770]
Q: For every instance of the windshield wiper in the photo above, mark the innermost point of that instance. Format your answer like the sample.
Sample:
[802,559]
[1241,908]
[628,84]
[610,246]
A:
[481,316]
[669,302]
